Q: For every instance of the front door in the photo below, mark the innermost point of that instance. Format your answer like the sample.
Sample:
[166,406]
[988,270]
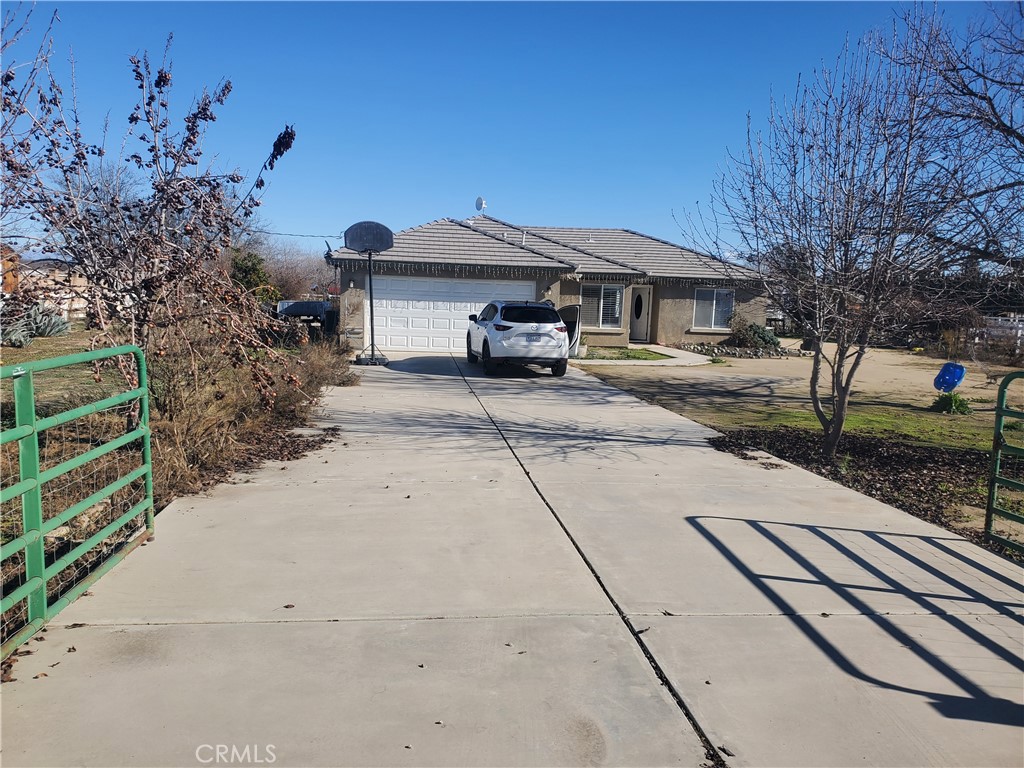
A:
[640,314]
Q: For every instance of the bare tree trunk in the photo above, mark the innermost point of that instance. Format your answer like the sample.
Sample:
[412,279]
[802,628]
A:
[823,418]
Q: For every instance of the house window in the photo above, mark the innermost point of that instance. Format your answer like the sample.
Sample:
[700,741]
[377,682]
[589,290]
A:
[713,308]
[602,305]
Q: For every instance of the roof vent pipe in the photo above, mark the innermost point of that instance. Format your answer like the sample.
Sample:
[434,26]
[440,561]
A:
[524,238]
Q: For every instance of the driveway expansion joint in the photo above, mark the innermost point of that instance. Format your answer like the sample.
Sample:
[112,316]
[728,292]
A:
[711,753]
[346,620]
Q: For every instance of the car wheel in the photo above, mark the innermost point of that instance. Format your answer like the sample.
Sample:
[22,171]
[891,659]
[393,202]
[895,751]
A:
[471,357]
[559,368]
[490,367]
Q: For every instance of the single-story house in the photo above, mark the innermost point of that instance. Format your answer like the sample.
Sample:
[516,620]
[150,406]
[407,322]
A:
[631,286]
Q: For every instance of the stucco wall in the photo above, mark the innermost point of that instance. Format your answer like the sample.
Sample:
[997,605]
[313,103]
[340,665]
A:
[350,300]
[598,337]
[672,314]
[672,308]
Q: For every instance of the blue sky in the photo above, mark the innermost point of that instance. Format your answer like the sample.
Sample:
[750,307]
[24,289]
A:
[563,114]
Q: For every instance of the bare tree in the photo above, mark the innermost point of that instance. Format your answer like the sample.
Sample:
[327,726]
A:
[24,87]
[145,226]
[836,205]
[976,104]
[295,272]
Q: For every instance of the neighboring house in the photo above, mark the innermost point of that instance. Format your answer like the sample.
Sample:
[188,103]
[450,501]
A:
[632,287]
[55,280]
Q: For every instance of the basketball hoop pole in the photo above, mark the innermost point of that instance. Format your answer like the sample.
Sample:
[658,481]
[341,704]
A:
[369,237]
[373,328]
[374,358]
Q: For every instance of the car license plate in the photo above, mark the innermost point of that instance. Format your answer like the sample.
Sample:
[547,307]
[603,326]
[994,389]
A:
[533,338]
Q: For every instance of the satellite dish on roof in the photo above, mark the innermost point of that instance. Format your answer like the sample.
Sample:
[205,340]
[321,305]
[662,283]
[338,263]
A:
[481,204]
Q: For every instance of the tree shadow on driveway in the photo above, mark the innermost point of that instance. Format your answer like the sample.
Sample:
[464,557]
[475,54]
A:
[559,416]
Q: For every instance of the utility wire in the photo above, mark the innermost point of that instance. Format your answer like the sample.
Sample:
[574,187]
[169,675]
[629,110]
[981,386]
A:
[292,234]
[259,231]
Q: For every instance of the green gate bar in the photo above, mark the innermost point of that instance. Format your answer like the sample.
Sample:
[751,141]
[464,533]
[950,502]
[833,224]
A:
[31,481]
[1001,448]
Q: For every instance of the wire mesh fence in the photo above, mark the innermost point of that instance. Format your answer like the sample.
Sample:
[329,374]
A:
[79,514]
[1005,518]
[1011,500]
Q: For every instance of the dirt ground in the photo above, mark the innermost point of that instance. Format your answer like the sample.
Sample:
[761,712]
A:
[889,383]
[887,375]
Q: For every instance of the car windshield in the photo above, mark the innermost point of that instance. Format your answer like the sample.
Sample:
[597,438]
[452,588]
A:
[530,315]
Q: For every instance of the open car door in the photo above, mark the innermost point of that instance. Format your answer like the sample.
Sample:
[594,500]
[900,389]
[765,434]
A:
[570,315]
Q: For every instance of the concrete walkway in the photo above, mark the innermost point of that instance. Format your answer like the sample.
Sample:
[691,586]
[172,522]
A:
[502,571]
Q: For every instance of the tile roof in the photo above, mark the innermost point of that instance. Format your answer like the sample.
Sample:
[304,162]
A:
[44,264]
[583,261]
[447,241]
[650,255]
[484,241]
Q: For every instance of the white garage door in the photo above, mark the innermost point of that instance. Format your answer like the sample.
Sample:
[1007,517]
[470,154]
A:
[432,314]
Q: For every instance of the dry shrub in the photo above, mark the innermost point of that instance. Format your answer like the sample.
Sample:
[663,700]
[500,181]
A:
[326,365]
[207,425]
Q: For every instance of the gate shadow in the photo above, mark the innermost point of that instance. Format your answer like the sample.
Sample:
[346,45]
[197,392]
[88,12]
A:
[860,550]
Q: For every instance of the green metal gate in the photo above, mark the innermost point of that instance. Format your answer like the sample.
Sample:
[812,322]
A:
[26,555]
[1001,448]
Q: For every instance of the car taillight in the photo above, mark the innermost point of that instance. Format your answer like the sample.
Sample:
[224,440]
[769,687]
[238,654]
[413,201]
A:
[560,328]
[500,327]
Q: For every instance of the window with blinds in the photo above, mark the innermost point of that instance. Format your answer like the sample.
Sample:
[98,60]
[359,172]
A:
[713,308]
[602,305]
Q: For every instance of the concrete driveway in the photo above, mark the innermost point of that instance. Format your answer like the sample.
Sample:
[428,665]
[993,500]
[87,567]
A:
[523,570]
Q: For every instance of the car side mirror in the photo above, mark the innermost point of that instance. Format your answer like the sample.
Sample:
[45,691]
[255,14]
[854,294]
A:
[473,318]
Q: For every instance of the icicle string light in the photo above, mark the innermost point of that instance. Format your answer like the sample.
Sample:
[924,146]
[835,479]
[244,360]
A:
[439,269]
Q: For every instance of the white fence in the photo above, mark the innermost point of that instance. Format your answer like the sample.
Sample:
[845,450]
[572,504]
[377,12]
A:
[1002,329]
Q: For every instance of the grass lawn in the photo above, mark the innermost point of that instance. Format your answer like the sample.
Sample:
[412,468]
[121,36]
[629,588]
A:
[77,340]
[904,424]
[622,353]
[74,384]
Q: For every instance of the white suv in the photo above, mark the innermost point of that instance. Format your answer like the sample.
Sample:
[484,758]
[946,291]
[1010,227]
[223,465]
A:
[523,332]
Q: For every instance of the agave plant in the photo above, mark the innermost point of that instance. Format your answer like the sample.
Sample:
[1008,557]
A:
[16,334]
[43,321]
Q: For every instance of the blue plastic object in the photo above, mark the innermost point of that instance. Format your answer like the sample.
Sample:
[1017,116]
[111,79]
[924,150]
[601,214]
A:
[951,376]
